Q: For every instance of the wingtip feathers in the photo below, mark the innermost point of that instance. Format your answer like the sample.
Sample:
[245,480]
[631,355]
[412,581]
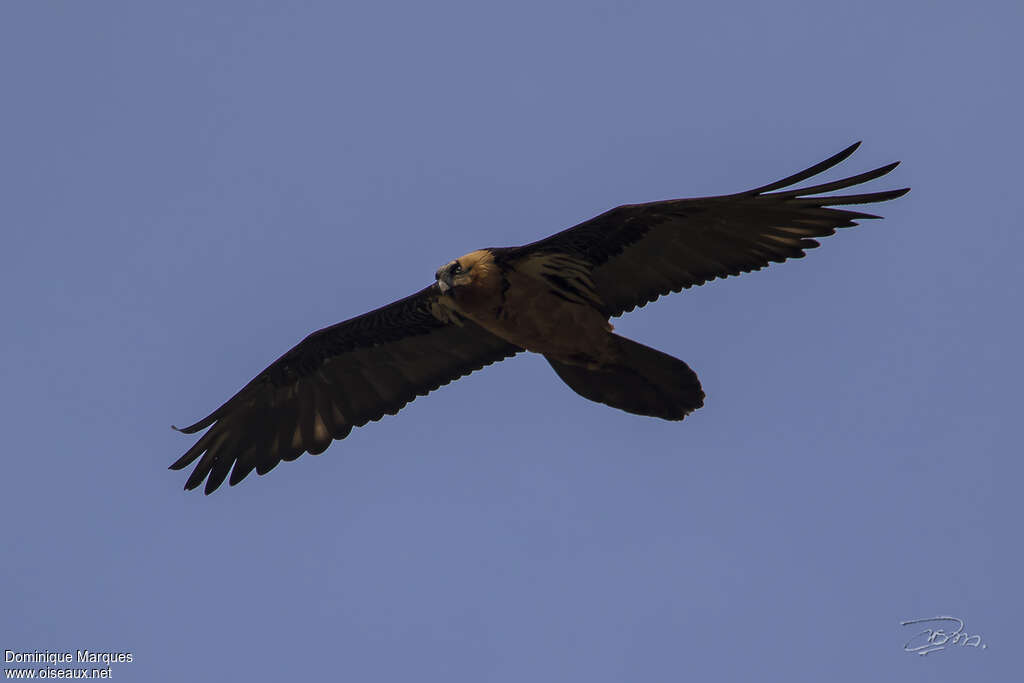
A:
[820,168]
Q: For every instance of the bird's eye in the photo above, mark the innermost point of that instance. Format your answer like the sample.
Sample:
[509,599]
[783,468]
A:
[456,268]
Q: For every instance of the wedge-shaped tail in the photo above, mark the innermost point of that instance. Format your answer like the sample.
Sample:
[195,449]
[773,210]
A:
[646,382]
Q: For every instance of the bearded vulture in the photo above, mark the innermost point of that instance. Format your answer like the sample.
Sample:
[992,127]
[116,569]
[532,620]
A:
[553,297]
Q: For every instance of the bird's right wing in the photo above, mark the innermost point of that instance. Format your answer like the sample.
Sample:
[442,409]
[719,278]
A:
[338,378]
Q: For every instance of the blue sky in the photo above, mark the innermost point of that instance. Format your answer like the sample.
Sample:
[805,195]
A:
[190,188]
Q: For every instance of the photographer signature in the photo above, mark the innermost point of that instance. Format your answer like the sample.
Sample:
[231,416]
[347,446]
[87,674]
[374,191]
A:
[935,639]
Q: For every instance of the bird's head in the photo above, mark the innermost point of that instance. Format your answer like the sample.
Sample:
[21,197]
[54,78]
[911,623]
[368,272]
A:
[464,271]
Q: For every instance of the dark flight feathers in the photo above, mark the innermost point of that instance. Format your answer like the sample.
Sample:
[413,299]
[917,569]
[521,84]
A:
[354,372]
[338,378]
[643,251]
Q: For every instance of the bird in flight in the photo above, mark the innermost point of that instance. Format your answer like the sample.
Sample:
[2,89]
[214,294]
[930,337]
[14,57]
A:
[553,297]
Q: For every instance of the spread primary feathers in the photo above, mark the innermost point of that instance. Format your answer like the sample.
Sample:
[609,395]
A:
[553,297]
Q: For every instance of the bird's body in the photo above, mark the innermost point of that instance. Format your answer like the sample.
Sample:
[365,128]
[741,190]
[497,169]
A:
[553,297]
[522,308]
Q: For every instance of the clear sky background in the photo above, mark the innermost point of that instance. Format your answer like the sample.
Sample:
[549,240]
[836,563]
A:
[188,189]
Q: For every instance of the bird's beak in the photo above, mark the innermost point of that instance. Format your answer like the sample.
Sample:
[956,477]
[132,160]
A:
[444,280]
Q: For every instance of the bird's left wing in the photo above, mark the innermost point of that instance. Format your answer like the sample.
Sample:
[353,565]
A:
[638,252]
[338,378]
